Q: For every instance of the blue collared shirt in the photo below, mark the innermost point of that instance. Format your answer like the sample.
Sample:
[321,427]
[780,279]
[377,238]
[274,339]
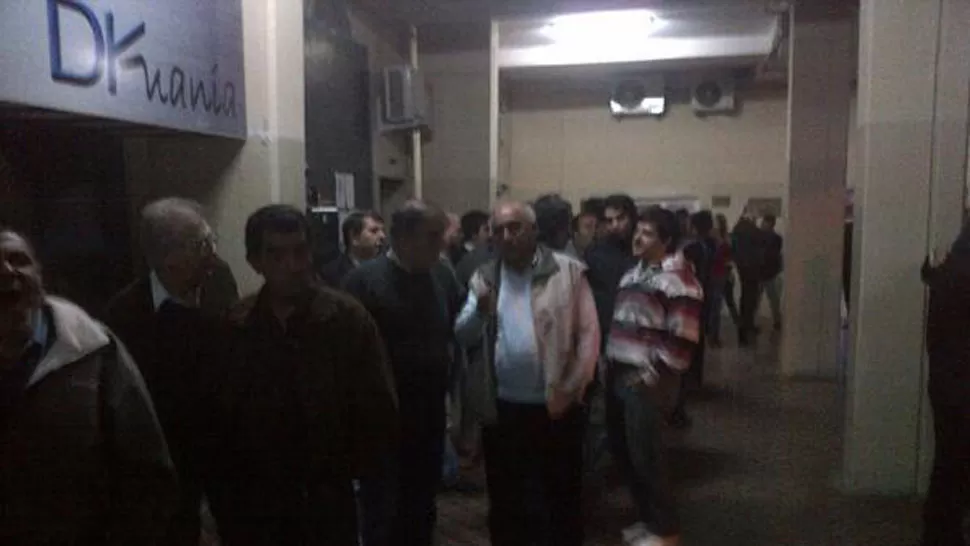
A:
[40,329]
[160,294]
[517,367]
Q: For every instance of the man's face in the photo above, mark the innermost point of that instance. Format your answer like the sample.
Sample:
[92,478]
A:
[585,229]
[484,234]
[515,235]
[617,223]
[370,240]
[421,250]
[453,232]
[284,262]
[192,262]
[646,242]
[767,225]
[21,287]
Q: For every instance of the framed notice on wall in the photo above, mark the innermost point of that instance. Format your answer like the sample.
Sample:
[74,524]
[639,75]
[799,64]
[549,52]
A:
[691,204]
[765,205]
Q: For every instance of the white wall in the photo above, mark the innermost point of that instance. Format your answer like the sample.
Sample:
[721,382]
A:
[230,178]
[456,158]
[562,138]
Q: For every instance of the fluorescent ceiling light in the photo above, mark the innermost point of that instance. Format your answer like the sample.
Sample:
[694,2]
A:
[611,26]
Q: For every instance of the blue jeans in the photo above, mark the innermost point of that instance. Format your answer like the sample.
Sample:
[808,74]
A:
[450,468]
[635,416]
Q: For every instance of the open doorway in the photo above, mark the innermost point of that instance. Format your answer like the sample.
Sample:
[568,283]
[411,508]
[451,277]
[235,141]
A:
[64,187]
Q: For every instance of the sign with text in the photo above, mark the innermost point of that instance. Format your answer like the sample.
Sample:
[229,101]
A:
[176,64]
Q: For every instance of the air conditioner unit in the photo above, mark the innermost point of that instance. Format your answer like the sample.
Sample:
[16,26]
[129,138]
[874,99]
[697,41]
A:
[714,96]
[404,99]
[639,97]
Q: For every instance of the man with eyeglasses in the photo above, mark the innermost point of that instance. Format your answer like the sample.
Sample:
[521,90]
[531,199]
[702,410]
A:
[176,344]
[533,311]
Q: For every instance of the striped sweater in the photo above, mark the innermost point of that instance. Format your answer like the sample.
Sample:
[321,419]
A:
[657,318]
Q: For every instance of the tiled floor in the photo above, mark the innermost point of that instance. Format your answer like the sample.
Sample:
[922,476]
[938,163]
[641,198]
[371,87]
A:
[758,468]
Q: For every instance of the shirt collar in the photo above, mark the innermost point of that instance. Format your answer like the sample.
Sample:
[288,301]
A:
[40,327]
[160,294]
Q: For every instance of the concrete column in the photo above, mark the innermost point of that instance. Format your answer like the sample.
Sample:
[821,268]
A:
[821,69]
[912,115]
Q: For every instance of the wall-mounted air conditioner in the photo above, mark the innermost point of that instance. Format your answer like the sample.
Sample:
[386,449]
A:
[714,96]
[404,99]
[640,96]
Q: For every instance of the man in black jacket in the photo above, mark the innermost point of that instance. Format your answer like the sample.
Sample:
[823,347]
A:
[363,236]
[772,267]
[948,345]
[610,257]
[177,346]
[83,459]
[414,307]
[749,251]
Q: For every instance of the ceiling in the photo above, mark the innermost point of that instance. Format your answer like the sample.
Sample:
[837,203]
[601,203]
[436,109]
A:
[421,12]
[727,36]
[696,34]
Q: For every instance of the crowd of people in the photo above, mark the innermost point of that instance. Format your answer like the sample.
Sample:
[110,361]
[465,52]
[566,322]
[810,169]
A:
[326,408]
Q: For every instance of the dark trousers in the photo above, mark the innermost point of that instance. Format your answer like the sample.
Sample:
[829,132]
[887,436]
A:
[420,456]
[534,470]
[635,420]
[730,301]
[948,501]
[750,292]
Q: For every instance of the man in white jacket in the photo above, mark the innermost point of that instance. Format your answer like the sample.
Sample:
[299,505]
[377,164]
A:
[535,311]
[83,458]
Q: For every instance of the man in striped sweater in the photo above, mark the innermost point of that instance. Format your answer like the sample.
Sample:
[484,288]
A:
[655,331]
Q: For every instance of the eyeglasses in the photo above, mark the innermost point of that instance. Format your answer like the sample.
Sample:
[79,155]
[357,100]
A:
[204,245]
[509,229]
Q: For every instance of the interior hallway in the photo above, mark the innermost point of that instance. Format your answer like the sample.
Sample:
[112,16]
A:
[758,468]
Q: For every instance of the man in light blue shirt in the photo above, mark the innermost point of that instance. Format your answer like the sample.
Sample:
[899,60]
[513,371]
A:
[517,368]
[534,314]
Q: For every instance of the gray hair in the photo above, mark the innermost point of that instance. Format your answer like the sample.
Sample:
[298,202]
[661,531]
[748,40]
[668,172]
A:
[528,213]
[168,225]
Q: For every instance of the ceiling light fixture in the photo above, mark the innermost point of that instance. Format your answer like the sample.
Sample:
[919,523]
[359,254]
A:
[609,26]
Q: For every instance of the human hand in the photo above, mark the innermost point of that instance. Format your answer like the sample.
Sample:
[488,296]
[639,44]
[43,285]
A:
[487,300]
[558,404]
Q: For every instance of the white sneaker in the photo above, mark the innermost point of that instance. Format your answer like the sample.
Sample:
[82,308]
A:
[635,532]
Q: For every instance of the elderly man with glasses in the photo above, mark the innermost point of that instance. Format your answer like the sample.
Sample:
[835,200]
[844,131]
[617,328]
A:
[177,344]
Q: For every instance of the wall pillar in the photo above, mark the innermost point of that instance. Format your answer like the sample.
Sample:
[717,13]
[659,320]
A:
[912,117]
[820,91]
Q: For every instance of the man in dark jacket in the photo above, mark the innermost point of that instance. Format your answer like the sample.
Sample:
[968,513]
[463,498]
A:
[610,257]
[312,404]
[83,459]
[160,318]
[749,257]
[477,232]
[948,345]
[698,248]
[363,236]
[772,267]
[415,308]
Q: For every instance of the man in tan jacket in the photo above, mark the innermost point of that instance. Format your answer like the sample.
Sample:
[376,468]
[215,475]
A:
[535,312]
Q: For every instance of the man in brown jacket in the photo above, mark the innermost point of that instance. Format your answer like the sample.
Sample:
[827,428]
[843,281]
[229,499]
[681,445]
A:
[82,456]
[313,405]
